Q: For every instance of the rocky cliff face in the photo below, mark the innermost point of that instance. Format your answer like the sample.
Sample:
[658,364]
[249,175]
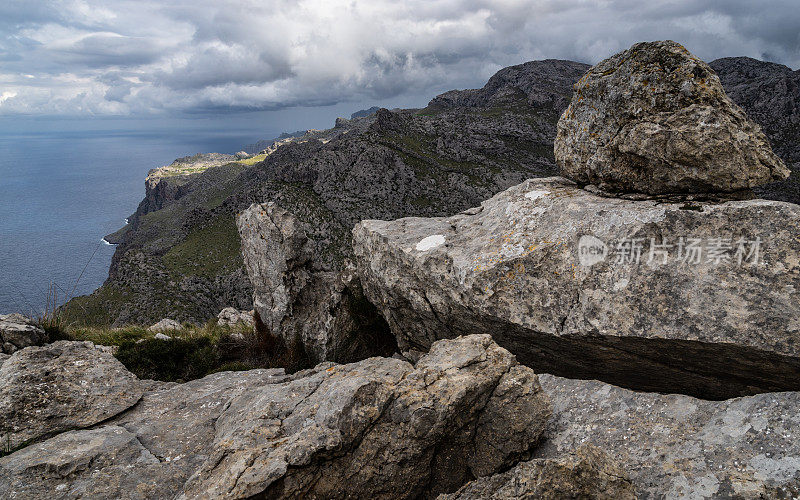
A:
[463,148]
[433,161]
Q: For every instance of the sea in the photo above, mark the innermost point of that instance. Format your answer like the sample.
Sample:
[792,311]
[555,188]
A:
[62,192]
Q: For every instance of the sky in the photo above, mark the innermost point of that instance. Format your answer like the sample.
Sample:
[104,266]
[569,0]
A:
[237,63]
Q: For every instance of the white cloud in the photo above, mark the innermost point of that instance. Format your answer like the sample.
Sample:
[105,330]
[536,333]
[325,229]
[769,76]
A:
[148,56]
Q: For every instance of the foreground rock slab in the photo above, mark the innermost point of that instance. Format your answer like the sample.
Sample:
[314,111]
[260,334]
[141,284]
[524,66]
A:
[699,299]
[655,119]
[146,452]
[394,430]
[17,332]
[61,386]
[589,473]
[675,446]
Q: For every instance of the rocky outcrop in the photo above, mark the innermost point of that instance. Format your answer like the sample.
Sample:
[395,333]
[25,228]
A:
[394,430]
[165,325]
[58,387]
[230,316]
[675,446]
[302,299]
[655,119]
[589,473]
[701,299]
[18,332]
[540,84]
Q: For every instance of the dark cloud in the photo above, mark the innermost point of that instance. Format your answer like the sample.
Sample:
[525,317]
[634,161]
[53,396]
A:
[211,56]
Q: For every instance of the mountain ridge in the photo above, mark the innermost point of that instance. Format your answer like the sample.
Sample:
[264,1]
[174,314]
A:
[462,148]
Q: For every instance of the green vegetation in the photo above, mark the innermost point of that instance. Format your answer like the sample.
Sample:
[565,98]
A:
[253,159]
[93,309]
[191,352]
[207,250]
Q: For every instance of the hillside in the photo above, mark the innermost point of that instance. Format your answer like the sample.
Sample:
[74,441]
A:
[180,256]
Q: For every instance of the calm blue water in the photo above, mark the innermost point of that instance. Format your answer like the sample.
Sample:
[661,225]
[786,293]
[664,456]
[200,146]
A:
[61,193]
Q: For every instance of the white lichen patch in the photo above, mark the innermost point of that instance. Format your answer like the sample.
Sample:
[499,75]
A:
[536,194]
[430,242]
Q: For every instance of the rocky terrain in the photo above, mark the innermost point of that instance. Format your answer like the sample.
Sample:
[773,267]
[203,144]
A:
[596,334]
[463,148]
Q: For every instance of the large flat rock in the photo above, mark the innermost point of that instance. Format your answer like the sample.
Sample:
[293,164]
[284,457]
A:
[581,286]
[59,387]
[675,446]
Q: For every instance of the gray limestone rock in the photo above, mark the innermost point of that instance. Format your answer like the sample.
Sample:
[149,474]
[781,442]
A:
[392,429]
[701,299]
[230,316]
[165,325]
[587,474]
[58,387]
[655,119]
[298,297]
[18,331]
[675,446]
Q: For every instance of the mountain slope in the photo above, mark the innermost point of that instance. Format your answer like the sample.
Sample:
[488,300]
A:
[180,256]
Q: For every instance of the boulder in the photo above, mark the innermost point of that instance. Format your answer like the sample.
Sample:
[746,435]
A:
[675,446]
[165,325]
[61,386]
[230,316]
[589,473]
[146,452]
[655,119]
[18,331]
[394,430]
[701,299]
[300,298]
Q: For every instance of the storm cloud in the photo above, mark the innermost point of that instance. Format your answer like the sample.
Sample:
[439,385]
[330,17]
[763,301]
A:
[143,57]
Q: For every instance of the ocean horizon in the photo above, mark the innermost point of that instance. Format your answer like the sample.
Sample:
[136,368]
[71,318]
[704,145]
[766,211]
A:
[62,192]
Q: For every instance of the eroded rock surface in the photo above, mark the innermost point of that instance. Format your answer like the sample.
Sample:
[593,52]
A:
[17,332]
[394,430]
[146,452]
[655,119]
[61,386]
[675,446]
[704,316]
[300,296]
[588,474]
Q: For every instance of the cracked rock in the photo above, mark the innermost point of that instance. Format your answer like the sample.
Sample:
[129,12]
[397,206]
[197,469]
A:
[565,280]
[58,387]
[300,298]
[394,430]
[18,332]
[588,474]
[675,446]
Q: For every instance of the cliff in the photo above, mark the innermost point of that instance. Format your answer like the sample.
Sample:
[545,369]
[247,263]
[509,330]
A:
[180,255]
